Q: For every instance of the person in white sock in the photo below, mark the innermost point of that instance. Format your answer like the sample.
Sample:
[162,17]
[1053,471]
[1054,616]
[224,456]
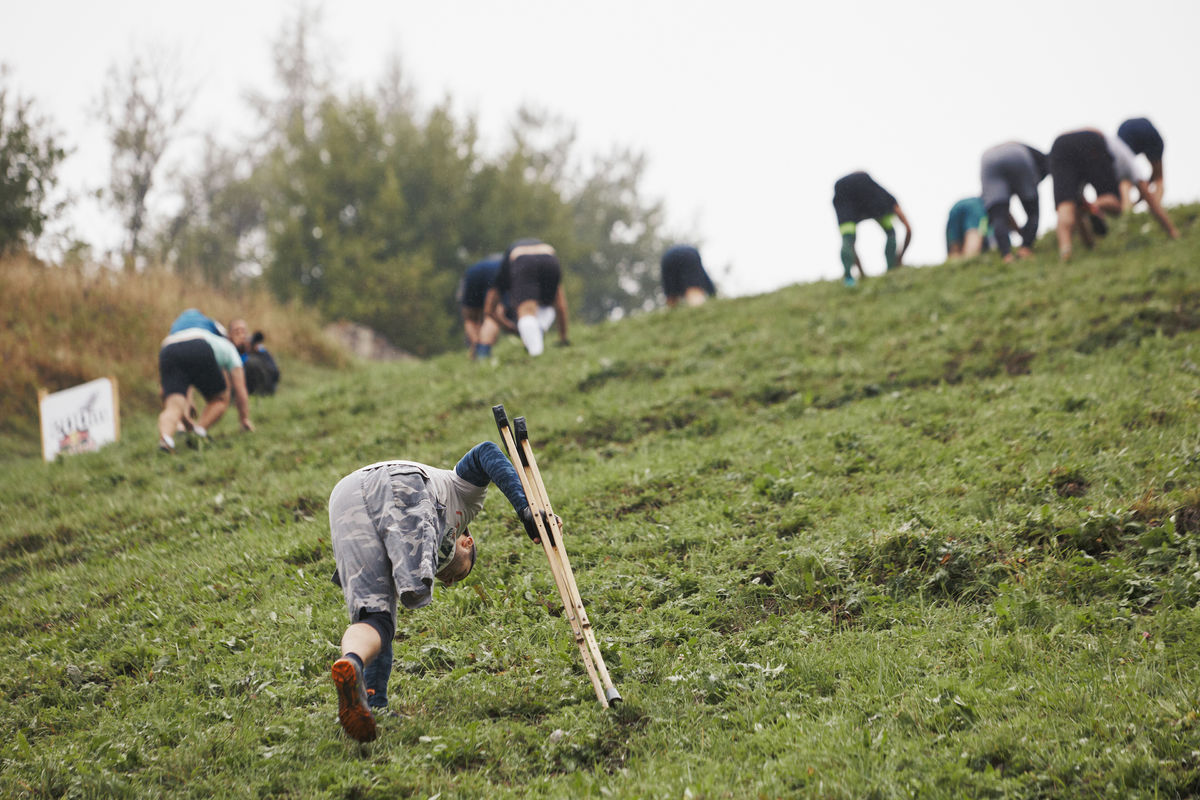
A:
[194,356]
[531,334]
[531,276]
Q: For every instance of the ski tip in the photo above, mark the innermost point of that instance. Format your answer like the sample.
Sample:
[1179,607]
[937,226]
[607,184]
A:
[501,417]
[519,429]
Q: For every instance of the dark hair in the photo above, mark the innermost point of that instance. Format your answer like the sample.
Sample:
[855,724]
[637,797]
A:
[454,554]
[257,338]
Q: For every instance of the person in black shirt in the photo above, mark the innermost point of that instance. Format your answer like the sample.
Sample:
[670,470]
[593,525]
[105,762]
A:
[262,373]
[532,278]
[684,277]
[857,197]
[1077,159]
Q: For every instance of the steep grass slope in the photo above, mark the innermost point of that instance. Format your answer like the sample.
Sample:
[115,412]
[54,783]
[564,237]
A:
[60,327]
[935,537]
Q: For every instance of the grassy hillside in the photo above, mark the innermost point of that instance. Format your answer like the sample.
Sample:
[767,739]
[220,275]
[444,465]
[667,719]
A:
[935,537]
[60,327]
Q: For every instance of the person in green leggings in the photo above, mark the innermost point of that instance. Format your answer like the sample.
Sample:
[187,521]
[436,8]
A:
[857,197]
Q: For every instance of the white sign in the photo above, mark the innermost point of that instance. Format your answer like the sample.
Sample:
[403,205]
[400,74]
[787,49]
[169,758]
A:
[79,419]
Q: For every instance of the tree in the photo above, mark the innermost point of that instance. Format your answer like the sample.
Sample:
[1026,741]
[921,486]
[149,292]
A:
[142,105]
[29,159]
[303,75]
[371,208]
[607,236]
[619,234]
[520,193]
[342,234]
[218,233]
[395,94]
[372,214]
[214,234]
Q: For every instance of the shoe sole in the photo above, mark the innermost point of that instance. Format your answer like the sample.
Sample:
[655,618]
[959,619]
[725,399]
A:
[353,712]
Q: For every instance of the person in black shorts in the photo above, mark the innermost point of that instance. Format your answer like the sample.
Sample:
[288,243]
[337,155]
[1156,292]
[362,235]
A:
[1078,159]
[195,356]
[857,197]
[1144,139]
[684,277]
[481,330]
[531,276]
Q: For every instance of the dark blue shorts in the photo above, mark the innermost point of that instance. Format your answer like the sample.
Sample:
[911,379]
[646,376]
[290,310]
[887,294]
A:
[1142,137]
[682,269]
[476,282]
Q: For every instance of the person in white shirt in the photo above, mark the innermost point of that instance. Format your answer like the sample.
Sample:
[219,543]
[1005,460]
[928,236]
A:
[197,357]
[1144,139]
[1133,174]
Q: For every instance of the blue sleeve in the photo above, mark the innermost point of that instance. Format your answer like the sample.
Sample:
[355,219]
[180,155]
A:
[486,463]
[193,318]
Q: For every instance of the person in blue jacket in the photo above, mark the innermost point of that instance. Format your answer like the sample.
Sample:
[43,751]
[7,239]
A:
[195,318]
[481,330]
[684,277]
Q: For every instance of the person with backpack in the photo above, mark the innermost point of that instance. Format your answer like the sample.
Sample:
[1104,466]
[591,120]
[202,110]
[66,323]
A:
[262,373]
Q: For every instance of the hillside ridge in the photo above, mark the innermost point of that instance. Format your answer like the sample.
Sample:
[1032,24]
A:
[937,536]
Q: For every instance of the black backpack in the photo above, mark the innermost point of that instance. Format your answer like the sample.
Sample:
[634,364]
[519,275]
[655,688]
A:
[262,375]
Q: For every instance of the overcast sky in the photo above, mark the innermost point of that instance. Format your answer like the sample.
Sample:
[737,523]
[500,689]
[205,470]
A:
[747,111]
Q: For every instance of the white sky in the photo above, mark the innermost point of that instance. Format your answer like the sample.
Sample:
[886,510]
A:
[748,111]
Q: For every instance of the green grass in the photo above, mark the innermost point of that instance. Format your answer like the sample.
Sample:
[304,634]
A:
[938,536]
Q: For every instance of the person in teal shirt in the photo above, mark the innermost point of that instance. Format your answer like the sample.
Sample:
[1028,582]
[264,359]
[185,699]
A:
[966,229]
[197,357]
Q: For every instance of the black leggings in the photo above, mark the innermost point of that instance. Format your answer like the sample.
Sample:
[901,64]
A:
[998,215]
[381,621]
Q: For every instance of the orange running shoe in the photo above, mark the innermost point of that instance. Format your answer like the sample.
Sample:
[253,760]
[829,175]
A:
[353,711]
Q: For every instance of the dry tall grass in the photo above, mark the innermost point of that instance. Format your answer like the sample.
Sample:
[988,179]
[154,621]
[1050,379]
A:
[62,326]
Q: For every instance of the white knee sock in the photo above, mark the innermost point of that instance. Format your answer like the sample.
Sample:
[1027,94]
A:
[531,334]
[545,317]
